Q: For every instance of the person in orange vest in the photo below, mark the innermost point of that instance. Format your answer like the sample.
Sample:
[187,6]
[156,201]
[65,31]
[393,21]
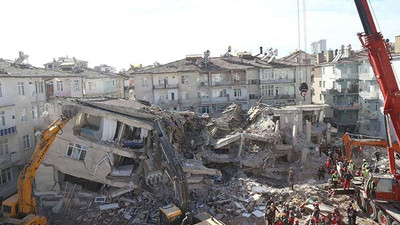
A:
[329,164]
[347,179]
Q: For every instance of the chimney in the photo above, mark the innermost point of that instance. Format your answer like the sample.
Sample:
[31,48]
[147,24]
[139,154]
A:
[397,44]
[320,57]
[329,55]
[261,50]
[20,54]
[347,51]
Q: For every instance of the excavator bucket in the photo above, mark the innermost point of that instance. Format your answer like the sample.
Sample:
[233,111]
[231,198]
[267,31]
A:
[70,111]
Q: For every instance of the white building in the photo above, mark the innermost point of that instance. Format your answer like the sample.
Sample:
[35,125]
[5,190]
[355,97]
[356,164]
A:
[318,46]
[22,113]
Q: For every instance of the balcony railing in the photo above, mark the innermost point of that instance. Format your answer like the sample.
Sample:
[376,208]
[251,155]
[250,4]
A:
[278,97]
[165,86]
[222,83]
[168,102]
[351,90]
[347,76]
[8,131]
[9,158]
[346,107]
[366,76]
[369,95]
[277,81]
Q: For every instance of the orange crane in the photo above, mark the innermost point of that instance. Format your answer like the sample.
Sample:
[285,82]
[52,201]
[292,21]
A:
[353,140]
[21,207]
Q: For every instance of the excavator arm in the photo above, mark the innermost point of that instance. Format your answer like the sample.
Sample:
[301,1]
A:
[354,140]
[379,57]
[22,206]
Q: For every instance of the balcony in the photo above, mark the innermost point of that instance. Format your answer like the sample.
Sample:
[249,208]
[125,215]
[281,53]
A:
[239,99]
[346,107]
[344,91]
[277,81]
[221,83]
[278,97]
[239,82]
[369,95]
[367,76]
[167,102]
[346,76]
[8,131]
[165,86]
[9,158]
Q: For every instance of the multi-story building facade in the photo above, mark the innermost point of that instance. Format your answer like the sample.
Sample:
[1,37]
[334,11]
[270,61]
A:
[22,107]
[206,85]
[339,80]
[83,81]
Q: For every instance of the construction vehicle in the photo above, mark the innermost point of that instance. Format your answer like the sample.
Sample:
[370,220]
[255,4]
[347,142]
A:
[21,207]
[351,141]
[172,214]
[379,194]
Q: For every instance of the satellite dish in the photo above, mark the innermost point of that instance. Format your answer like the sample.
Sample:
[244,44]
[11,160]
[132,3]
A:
[303,87]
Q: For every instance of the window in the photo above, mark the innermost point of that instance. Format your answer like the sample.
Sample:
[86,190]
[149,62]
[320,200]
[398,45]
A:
[92,85]
[267,74]
[184,79]
[162,81]
[252,96]
[41,85]
[76,85]
[34,112]
[77,151]
[60,86]
[320,83]
[3,147]
[21,88]
[254,82]
[114,82]
[204,95]
[23,115]
[267,90]
[323,70]
[320,96]
[1,90]
[323,84]
[236,77]
[3,118]
[27,141]
[219,93]
[204,109]
[185,95]
[5,176]
[237,92]
[145,82]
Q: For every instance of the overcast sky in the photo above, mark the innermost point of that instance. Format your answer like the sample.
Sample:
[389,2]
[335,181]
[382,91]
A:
[123,32]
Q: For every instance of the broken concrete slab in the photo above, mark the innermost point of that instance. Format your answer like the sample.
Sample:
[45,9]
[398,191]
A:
[258,213]
[227,140]
[109,206]
[196,167]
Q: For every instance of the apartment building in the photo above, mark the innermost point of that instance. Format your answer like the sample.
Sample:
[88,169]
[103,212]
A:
[209,84]
[83,81]
[340,87]
[22,107]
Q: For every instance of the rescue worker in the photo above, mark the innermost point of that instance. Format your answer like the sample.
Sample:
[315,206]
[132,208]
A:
[359,172]
[352,216]
[270,215]
[188,220]
[372,188]
[347,179]
[329,164]
[338,216]
[291,179]
[365,164]
[335,179]
[351,167]
[330,192]
[270,201]
[296,222]
[291,217]
[378,155]
[316,212]
[365,173]
[321,173]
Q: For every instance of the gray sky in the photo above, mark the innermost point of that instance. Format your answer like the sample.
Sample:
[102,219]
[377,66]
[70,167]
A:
[123,32]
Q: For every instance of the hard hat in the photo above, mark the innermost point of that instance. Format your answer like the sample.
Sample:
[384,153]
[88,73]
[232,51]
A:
[272,204]
[364,160]
[351,160]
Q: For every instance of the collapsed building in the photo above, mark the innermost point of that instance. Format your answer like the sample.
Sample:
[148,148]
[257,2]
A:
[111,143]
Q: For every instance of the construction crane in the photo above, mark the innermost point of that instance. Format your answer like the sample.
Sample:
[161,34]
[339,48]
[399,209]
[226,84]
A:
[21,207]
[379,194]
[357,140]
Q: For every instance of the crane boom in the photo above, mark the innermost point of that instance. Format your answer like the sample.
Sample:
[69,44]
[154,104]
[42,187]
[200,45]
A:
[379,57]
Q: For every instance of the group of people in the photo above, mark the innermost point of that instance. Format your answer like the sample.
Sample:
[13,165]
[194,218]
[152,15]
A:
[286,217]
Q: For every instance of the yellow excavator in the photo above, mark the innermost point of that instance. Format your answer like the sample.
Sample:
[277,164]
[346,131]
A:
[21,207]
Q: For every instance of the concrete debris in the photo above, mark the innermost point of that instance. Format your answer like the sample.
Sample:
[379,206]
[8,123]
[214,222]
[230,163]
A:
[109,206]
